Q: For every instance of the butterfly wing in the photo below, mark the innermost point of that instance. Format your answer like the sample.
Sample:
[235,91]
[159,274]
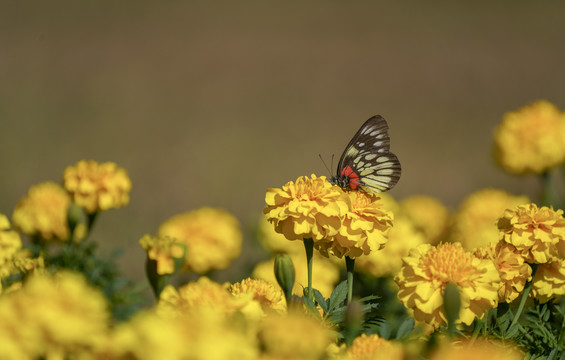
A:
[367,160]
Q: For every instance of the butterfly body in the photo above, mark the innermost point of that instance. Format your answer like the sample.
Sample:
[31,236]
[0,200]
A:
[367,163]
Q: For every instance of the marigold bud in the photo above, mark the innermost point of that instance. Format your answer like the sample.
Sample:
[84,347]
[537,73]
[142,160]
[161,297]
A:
[284,272]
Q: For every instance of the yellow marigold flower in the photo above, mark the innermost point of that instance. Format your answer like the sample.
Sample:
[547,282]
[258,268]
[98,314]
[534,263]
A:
[212,336]
[208,336]
[208,312]
[374,347]
[531,140]
[474,224]
[43,212]
[325,274]
[427,270]
[407,233]
[12,345]
[537,233]
[206,294]
[25,263]
[390,203]
[428,215]
[212,238]
[97,186]
[480,349]
[363,229]
[193,295]
[149,336]
[308,208]
[549,281]
[62,314]
[294,336]
[262,291]
[387,262]
[514,271]
[275,242]
[163,250]
[4,223]
[10,244]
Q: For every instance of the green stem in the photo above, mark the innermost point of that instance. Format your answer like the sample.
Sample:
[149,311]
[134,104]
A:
[547,192]
[90,219]
[349,264]
[309,247]
[525,294]
[479,325]
[562,328]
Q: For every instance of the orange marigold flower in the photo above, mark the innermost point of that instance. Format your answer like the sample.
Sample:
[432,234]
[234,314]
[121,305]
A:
[164,250]
[212,237]
[308,208]
[480,349]
[97,187]
[428,215]
[549,281]
[269,296]
[474,224]
[43,212]
[531,139]
[514,271]
[537,233]
[363,229]
[427,270]
[374,347]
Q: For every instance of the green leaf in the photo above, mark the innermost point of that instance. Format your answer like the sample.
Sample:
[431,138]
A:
[372,326]
[552,354]
[311,307]
[320,300]
[370,306]
[512,331]
[338,296]
[503,322]
[405,328]
[336,316]
[367,299]
[385,330]
[545,314]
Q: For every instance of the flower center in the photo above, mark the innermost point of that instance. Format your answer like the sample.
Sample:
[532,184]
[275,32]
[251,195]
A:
[448,263]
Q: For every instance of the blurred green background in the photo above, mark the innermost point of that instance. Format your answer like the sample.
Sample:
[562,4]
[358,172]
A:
[208,103]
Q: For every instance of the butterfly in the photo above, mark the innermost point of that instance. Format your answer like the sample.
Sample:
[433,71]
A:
[367,163]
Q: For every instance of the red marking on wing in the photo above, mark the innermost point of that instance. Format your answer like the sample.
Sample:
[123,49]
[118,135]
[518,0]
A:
[352,175]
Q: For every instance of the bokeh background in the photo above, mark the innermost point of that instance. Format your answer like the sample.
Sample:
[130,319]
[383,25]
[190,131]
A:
[208,103]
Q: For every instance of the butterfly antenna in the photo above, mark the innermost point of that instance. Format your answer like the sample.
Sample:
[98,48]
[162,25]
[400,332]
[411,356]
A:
[326,165]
